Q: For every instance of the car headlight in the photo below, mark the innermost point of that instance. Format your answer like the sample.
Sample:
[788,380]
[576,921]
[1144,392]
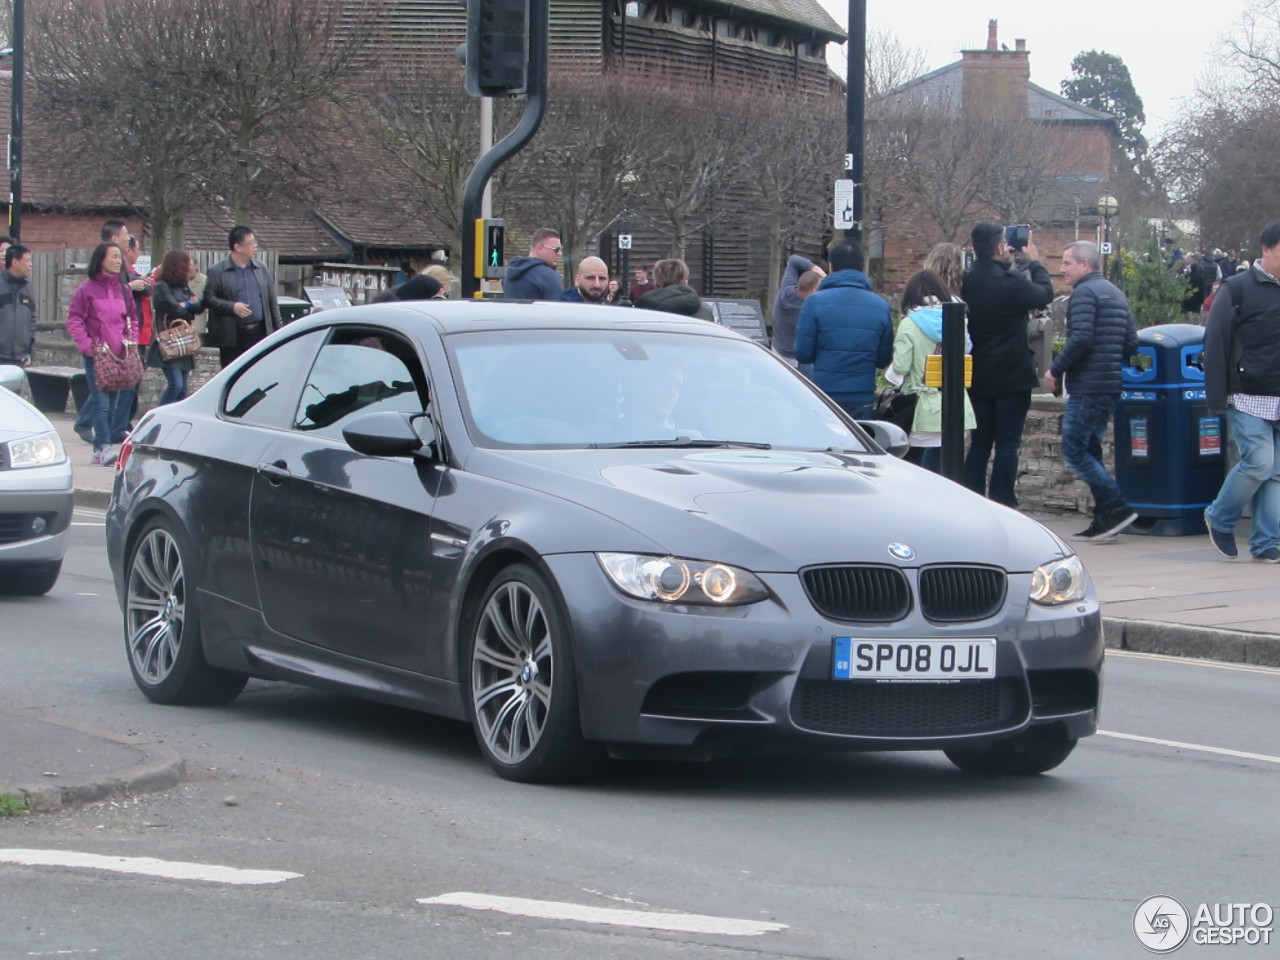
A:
[38,451]
[1059,581]
[675,580]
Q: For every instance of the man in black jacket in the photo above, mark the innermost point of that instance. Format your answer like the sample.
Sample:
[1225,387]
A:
[1242,379]
[1000,302]
[240,296]
[17,307]
[1100,339]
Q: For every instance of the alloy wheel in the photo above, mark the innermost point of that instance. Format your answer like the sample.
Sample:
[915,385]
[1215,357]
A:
[155,606]
[512,672]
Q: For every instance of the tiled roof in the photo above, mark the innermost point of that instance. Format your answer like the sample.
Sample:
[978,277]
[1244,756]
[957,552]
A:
[806,13]
[945,86]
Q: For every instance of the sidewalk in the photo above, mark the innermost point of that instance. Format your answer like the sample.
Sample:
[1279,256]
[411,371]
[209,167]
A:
[1170,595]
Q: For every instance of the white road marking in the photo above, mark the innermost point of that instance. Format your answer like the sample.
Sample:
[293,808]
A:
[1194,662]
[1178,744]
[146,866]
[552,910]
[81,523]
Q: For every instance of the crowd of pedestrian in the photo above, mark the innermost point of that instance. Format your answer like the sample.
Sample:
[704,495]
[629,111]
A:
[831,326]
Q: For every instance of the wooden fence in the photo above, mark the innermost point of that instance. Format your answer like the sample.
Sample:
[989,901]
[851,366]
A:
[56,274]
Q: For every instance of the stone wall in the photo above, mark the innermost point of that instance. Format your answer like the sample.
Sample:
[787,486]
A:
[1045,483]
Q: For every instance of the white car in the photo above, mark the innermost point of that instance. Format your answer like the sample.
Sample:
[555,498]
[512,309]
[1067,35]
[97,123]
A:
[36,493]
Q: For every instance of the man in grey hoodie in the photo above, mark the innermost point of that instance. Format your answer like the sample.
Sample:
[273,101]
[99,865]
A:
[17,307]
[800,279]
[534,277]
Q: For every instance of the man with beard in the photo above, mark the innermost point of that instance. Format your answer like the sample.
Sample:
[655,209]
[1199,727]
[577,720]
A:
[590,283]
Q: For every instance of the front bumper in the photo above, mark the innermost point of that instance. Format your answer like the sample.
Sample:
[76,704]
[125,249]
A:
[732,679]
[35,513]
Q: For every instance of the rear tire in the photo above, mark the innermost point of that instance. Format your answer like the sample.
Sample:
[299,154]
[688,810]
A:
[34,580]
[521,686]
[162,624]
[1027,754]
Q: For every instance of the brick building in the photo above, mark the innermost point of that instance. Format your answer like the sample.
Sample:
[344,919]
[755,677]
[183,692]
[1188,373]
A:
[1072,152]
[766,45]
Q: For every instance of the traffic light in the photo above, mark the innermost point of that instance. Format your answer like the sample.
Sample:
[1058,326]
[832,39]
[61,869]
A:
[491,256]
[497,45]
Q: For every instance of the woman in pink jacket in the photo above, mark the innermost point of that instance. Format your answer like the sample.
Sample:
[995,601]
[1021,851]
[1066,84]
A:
[100,315]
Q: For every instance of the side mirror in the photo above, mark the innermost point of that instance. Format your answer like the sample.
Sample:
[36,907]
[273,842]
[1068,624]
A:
[11,377]
[890,436]
[388,434]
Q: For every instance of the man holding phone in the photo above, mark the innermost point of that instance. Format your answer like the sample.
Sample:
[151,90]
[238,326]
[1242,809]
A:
[1000,300]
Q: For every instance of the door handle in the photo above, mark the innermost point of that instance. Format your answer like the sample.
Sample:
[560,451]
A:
[276,472]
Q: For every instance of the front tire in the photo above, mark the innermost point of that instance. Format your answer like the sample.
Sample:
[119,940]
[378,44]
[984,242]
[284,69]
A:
[521,686]
[1029,753]
[34,580]
[162,625]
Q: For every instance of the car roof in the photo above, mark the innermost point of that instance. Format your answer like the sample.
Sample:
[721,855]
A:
[459,316]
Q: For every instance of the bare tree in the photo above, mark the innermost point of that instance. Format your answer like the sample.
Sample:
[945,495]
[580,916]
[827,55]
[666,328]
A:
[793,153]
[1032,154]
[949,164]
[1253,49]
[890,62]
[1218,155]
[179,109]
[427,123]
[571,175]
[691,156]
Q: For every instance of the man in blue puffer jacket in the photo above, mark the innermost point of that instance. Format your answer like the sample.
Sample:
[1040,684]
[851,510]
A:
[846,333]
[1100,339]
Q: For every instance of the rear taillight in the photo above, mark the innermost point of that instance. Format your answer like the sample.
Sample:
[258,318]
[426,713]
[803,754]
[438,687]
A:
[126,448]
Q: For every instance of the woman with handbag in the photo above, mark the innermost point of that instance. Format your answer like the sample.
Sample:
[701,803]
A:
[174,306]
[919,334]
[100,321]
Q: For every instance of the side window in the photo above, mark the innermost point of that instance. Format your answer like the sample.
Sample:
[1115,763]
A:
[266,392]
[359,372]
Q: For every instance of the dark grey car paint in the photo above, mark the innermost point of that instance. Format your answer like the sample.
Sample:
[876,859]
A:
[337,569]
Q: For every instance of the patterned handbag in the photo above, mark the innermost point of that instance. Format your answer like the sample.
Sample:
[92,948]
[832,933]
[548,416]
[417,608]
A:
[112,373]
[177,340]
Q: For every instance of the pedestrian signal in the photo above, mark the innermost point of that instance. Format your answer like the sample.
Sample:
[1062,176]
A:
[491,257]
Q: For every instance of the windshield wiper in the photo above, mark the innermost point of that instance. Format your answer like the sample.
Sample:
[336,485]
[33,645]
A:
[684,442]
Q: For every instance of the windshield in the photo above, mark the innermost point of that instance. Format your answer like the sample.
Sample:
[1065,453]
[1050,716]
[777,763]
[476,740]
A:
[575,388]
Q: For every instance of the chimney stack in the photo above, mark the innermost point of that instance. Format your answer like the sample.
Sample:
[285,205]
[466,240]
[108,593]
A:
[991,34]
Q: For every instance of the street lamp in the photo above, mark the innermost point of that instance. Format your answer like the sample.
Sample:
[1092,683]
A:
[1107,206]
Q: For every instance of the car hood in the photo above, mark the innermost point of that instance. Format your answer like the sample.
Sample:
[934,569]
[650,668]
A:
[19,418]
[777,511]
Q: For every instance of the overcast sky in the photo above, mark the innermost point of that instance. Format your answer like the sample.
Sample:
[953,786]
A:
[1163,44]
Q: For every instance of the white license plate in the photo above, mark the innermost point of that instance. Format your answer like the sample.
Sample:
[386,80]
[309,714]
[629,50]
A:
[914,659]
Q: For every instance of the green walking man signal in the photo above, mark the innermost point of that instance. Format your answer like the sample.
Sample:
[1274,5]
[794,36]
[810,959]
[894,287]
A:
[491,258]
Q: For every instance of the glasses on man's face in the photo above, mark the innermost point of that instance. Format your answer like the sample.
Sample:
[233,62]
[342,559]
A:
[556,249]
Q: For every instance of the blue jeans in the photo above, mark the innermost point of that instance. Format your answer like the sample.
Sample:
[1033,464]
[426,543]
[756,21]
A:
[859,411]
[1084,424]
[88,409]
[1256,477]
[999,422]
[175,384]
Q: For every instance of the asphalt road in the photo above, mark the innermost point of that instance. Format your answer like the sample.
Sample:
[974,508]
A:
[372,809]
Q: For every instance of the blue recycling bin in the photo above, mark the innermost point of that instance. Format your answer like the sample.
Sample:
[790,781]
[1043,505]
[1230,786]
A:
[1169,448]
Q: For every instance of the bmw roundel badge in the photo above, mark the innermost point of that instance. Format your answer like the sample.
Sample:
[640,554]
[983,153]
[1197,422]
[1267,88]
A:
[901,551]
